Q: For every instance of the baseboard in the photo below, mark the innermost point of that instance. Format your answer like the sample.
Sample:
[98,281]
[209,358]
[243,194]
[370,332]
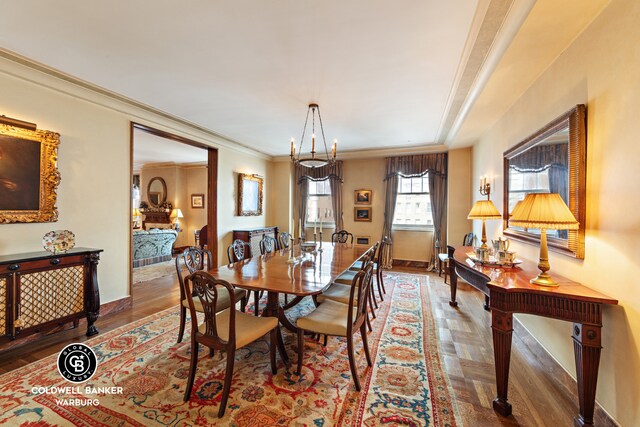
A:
[410,263]
[116,306]
[558,374]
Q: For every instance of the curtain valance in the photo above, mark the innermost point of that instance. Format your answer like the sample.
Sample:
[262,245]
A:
[541,157]
[330,171]
[416,165]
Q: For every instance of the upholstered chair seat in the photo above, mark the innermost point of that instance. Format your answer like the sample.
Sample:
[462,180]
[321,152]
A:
[223,300]
[336,292]
[346,278]
[330,318]
[248,328]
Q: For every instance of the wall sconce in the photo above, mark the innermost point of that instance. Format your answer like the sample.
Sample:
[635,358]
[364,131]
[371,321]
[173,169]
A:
[485,187]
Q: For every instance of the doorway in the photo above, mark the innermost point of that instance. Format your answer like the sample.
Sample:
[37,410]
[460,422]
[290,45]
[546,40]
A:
[173,196]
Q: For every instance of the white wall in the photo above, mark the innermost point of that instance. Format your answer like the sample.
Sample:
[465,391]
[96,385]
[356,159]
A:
[600,69]
[94,161]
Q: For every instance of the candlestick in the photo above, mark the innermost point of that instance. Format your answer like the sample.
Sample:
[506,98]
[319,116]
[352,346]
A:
[320,249]
[291,259]
[321,226]
[300,229]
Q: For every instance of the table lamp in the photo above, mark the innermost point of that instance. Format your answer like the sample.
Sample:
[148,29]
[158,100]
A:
[136,214]
[175,214]
[543,211]
[484,210]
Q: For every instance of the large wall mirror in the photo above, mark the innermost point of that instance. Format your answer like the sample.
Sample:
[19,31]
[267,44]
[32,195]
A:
[249,195]
[156,191]
[552,160]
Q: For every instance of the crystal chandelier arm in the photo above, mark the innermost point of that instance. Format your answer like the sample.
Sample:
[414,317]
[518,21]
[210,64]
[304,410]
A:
[304,129]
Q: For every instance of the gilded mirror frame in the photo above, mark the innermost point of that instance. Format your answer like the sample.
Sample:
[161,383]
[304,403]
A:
[164,191]
[244,203]
[575,119]
[48,179]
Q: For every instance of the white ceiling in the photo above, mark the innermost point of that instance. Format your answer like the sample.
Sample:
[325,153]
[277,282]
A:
[385,74]
[152,149]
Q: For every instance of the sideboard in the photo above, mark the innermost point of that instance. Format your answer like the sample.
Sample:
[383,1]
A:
[509,291]
[40,291]
[253,236]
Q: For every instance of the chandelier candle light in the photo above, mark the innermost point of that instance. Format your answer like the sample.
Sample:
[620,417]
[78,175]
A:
[313,161]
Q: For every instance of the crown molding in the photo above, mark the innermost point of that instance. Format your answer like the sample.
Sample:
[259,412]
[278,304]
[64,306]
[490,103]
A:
[380,152]
[159,165]
[495,25]
[26,69]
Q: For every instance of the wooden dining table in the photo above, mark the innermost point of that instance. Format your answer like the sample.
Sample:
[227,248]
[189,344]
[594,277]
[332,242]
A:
[308,276]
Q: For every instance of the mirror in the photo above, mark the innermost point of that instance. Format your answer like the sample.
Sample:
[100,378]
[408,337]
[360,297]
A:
[156,192]
[552,160]
[249,195]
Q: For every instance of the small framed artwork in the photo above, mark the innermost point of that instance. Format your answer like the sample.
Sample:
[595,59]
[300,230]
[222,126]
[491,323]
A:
[197,201]
[362,197]
[362,214]
[362,240]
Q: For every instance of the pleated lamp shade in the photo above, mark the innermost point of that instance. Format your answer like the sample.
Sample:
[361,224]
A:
[484,209]
[543,210]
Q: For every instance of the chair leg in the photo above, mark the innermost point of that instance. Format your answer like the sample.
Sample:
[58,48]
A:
[195,346]
[373,299]
[371,304]
[256,303]
[365,344]
[325,340]
[228,376]
[272,350]
[300,350]
[286,299]
[211,352]
[446,272]
[183,320]
[281,349]
[439,267]
[352,362]
[243,304]
[379,282]
[368,322]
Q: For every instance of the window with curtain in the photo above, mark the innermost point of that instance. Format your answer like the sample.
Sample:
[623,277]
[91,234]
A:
[319,202]
[413,204]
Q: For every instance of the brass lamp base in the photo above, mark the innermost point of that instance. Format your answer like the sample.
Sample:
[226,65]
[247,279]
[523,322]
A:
[543,279]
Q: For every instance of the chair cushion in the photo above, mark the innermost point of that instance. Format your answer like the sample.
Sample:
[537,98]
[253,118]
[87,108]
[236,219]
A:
[328,318]
[346,278]
[336,292]
[248,327]
[223,300]
[443,257]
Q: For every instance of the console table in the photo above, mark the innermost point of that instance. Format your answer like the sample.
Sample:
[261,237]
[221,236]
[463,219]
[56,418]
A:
[40,291]
[508,291]
[253,236]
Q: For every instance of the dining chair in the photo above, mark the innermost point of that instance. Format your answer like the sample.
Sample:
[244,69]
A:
[195,259]
[268,245]
[284,239]
[238,251]
[202,237]
[386,241]
[443,259]
[341,237]
[225,330]
[343,320]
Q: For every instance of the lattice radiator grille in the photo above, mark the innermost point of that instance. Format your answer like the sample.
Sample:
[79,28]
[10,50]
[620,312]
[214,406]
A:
[3,305]
[49,295]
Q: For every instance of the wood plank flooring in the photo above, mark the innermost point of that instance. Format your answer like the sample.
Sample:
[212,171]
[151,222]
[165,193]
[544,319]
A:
[541,394]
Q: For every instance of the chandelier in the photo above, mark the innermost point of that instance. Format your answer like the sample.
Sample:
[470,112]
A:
[313,161]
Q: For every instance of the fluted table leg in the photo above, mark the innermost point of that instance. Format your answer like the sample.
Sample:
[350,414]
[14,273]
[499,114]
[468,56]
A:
[502,326]
[587,347]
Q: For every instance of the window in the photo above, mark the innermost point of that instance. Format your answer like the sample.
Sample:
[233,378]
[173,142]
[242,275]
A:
[522,183]
[413,206]
[319,202]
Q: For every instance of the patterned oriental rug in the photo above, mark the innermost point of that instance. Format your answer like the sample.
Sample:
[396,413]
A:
[154,271]
[407,385]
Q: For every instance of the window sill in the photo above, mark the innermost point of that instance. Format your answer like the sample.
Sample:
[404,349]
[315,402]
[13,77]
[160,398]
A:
[420,229]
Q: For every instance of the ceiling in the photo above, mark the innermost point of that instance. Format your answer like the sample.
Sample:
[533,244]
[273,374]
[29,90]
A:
[149,149]
[385,74]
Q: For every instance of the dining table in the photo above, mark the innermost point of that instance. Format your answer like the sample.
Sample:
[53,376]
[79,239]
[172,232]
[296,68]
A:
[300,274]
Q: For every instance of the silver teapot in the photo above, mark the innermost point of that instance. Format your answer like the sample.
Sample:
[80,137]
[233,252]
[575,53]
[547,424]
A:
[500,245]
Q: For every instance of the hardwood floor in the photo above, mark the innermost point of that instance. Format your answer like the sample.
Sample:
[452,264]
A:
[540,392]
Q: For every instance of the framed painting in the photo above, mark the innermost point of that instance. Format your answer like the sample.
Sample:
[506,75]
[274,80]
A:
[197,201]
[362,197]
[249,195]
[363,241]
[362,214]
[29,175]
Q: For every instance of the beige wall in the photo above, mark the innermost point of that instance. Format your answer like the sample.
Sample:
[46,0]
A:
[94,161]
[459,196]
[196,177]
[600,69]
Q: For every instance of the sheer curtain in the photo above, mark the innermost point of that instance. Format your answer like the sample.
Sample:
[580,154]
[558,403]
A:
[302,175]
[433,165]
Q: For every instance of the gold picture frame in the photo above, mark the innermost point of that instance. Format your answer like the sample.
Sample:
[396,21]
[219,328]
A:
[362,197]
[250,194]
[29,177]
[362,214]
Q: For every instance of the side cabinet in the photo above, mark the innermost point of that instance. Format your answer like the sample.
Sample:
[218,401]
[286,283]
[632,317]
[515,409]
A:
[40,291]
[253,236]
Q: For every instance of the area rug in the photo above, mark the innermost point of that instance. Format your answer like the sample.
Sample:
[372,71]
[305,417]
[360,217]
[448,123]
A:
[407,385]
[154,271]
